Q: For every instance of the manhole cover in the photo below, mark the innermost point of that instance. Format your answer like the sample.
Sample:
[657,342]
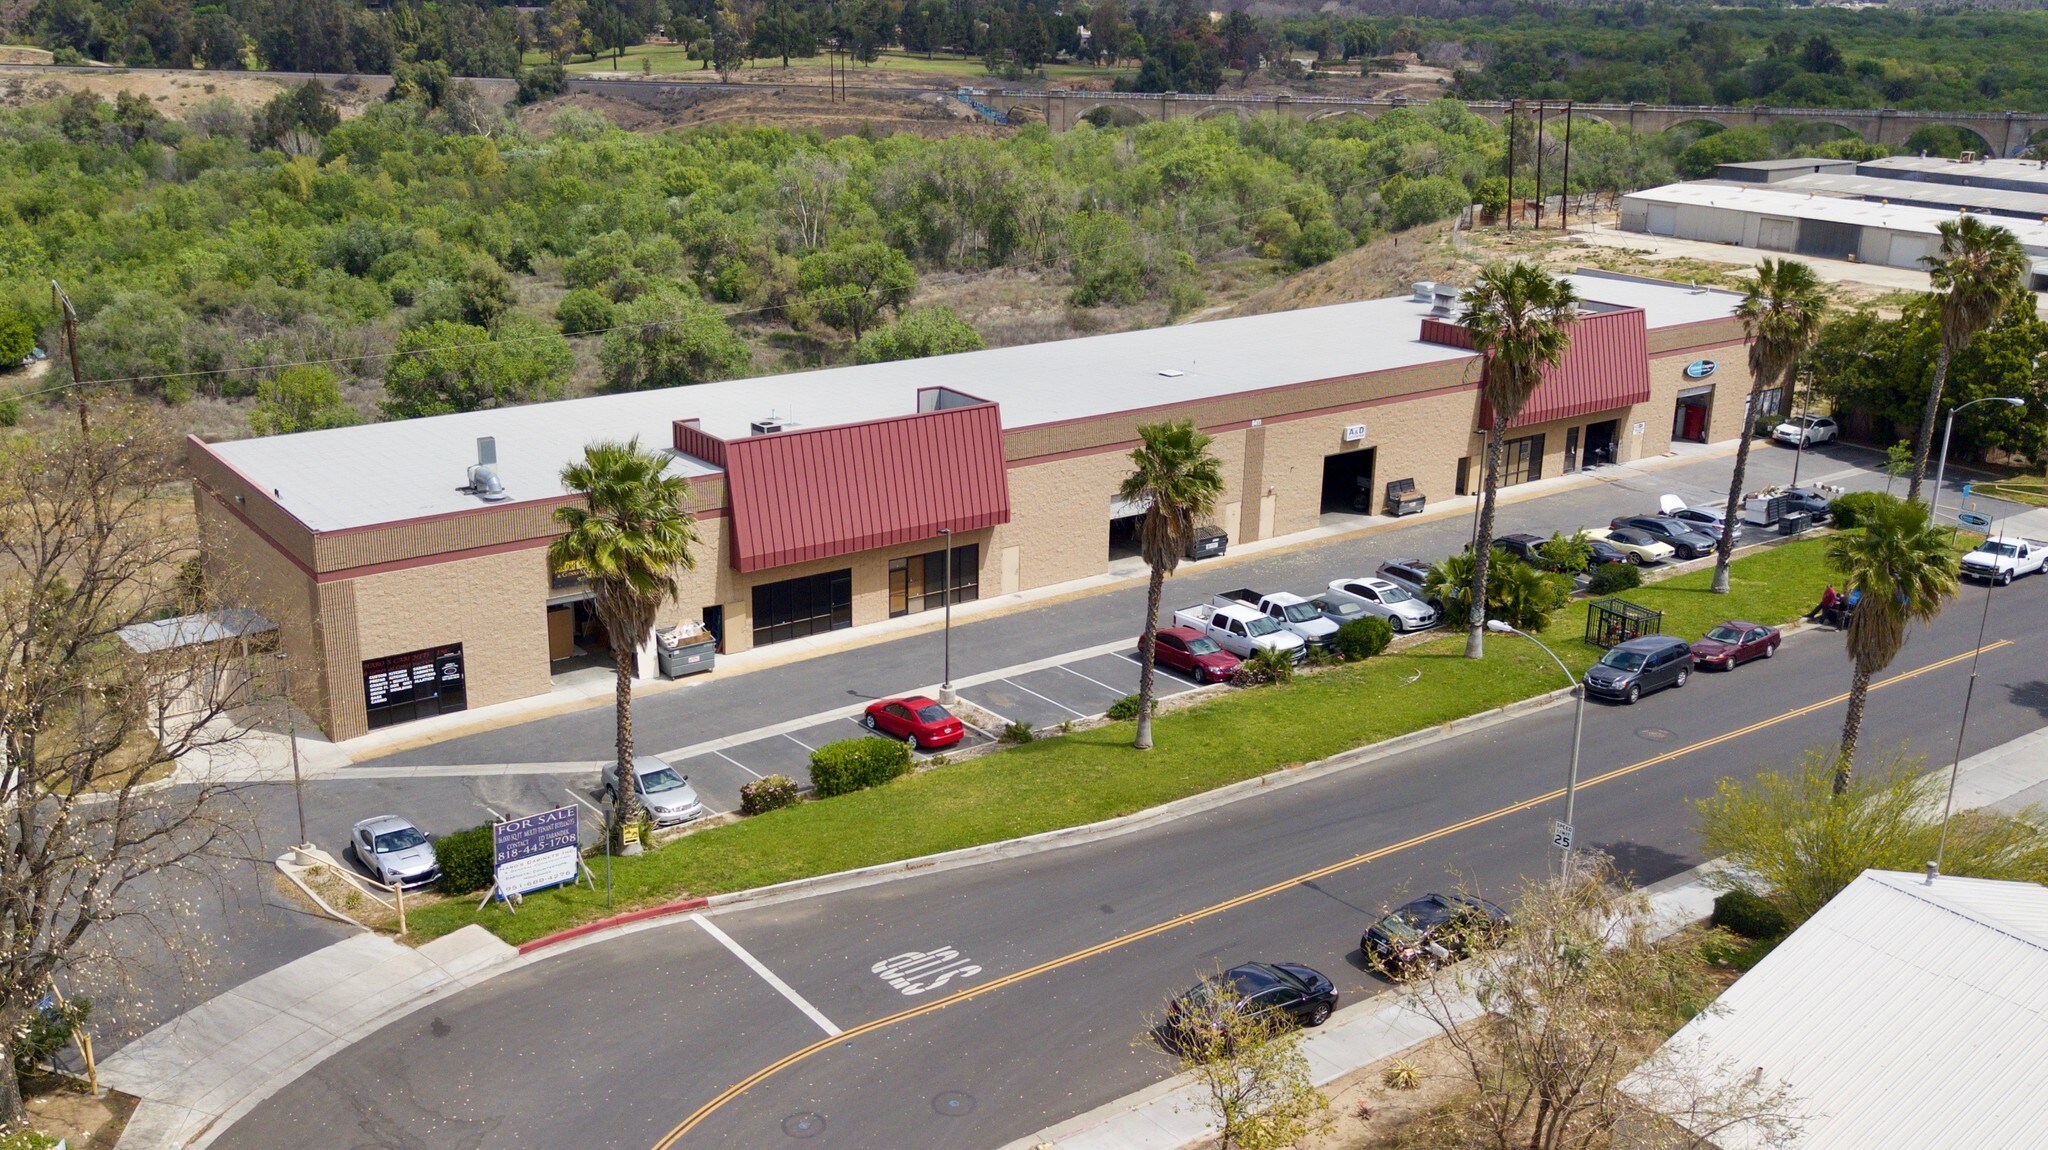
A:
[804,1125]
[1654,734]
[953,1103]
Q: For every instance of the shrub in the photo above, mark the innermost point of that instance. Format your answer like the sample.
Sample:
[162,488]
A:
[1855,508]
[584,310]
[1362,638]
[856,764]
[1266,665]
[1401,1074]
[1124,708]
[1609,578]
[468,860]
[1524,597]
[1568,554]
[770,794]
[541,82]
[45,1033]
[1018,733]
[1749,914]
[10,410]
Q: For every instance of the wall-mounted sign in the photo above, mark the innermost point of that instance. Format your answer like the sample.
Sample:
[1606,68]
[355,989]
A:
[1354,433]
[1638,430]
[536,851]
[1701,368]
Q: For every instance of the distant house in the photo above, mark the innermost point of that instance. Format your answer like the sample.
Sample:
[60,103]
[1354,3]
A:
[1906,1015]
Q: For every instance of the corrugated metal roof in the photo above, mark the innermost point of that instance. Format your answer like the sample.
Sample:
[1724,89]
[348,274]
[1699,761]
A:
[1902,1016]
[1765,199]
[194,630]
[813,494]
[1607,366]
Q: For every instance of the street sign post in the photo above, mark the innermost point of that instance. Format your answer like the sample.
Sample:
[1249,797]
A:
[1975,519]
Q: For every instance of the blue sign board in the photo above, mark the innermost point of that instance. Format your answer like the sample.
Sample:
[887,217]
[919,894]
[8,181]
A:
[1701,368]
[536,851]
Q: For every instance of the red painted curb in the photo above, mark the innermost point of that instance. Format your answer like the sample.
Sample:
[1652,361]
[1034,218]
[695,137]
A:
[615,920]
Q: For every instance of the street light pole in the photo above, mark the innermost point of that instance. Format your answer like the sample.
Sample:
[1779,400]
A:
[1941,468]
[1571,787]
[946,693]
[1956,764]
[291,721]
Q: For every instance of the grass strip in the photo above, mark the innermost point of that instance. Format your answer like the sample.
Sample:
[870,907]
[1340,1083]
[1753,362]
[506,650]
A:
[1090,775]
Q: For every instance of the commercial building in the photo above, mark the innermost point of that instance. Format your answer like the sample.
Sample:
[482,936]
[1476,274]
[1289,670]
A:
[406,583]
[1981,172]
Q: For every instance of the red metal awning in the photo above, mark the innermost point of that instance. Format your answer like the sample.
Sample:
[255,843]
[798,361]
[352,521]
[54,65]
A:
[1607,366]
[808,494]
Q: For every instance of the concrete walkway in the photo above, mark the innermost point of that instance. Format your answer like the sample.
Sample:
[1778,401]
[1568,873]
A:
[1169,1115]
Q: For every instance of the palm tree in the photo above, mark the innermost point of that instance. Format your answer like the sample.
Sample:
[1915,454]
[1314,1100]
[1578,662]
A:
[1173,472]
[1781,314]
[1520,318]
[1905,570]
[1979,271]
[629,538]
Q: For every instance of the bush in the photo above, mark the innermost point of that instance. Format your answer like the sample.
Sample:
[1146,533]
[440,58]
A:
[45,1033]
[770,794]
[1855,508]
[1524,597]
[1609,578]
[856,764]
[541,82]
[1124,708]
[1568,554]
[1018,733]
[10,410]
[468,860]
[1265,666]
[1362,638]
[1749,915]
[584,310]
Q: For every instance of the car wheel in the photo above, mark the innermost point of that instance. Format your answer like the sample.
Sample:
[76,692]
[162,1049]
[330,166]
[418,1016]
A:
[1770,650]
[1636,557]
[2005,578]
[868,721]
[1634,692]
[1684,675]
[910,741]
[1319,1015]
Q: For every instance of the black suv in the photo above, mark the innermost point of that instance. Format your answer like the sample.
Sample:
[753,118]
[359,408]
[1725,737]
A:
[1633,669]
[1527,548]
[1283,989]
[1433,928]
[1689,544]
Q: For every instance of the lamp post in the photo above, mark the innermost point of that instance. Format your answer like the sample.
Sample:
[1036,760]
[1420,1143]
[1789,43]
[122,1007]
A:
[946,692]
[1955,765]
[291,721]
[1941,468]
[1571,787]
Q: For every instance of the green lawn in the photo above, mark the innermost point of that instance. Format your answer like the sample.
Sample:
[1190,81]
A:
[675,58]
[1090,775]
[2030,489]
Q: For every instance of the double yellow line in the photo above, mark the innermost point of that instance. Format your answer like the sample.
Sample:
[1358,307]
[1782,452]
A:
[757,1077]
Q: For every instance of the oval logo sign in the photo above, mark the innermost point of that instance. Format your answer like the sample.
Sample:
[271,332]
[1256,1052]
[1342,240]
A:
[1700,368]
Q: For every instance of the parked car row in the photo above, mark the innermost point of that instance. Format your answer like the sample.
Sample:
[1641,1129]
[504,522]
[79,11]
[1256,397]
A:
[1637,667]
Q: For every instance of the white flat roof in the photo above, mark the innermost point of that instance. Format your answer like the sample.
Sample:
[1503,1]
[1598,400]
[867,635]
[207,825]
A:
[1924,191]
[1767,200]
[2030,171]
[1902,1016]
[404,469]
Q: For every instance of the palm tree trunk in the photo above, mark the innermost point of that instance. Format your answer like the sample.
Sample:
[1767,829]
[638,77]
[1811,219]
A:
[1923,441]
[1146,653]
[1852,725]
[626,796]
[1724,551]
[1482,544]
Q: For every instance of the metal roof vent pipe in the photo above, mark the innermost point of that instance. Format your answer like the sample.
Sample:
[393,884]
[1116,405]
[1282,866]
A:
[1933,869]
[483,477]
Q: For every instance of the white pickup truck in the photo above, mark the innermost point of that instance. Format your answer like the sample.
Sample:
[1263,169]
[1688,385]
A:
[1294,613]
[2004,558]
[1240,630]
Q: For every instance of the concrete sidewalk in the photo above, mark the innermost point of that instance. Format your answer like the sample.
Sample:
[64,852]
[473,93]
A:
[1170,1115]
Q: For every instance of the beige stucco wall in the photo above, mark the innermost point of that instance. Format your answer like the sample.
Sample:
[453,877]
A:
[242,567]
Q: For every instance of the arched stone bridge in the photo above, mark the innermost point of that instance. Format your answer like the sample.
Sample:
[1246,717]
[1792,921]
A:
[2002,133]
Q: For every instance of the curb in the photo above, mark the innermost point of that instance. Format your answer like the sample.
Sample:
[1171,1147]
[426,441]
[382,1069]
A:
[617,920]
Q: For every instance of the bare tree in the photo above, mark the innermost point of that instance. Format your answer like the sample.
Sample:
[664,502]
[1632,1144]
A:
[95,835]
[1253,1077]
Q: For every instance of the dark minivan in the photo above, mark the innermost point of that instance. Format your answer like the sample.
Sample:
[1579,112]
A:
[1635,668]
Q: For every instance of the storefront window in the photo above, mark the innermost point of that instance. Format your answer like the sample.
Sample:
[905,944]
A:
[795,608]
[416,685]
[1521,460]
[918,582]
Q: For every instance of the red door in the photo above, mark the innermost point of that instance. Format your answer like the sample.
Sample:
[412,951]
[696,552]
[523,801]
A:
[1695,423]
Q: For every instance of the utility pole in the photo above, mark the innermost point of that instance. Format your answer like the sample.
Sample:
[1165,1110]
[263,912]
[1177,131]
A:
[1539,165]
[62,303]
[1564,203]
[1511,166]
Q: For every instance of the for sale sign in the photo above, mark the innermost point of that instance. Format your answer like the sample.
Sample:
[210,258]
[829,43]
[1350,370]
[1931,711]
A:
[536,851]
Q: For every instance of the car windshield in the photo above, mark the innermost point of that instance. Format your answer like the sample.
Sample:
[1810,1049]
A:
[1302,613]
[399,840]
[1725,634]
[1397,927]
[665,779]
[1203,646]
[1623,660]
[932,714]
[1261,626]
[2000,548]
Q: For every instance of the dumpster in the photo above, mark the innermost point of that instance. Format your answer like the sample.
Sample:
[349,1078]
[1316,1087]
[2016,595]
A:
[1792,522]
[1208,542]
[687,649]
[1403,499]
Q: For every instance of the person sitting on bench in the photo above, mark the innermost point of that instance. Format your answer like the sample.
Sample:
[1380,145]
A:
[1830,602]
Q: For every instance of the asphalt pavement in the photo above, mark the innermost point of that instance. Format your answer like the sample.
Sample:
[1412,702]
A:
[1069,954]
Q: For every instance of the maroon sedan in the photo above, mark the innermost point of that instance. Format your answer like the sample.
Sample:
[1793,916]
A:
[1193,653]
[1733,643]
[919,721]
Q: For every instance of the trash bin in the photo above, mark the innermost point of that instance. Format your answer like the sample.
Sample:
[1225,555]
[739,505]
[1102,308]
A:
[1403,499]
[1208,542]
[1792,522]
[685,650]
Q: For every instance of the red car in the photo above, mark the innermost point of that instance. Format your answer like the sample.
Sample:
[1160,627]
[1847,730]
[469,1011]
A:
[919,721]
[1733,643]
[1193,653]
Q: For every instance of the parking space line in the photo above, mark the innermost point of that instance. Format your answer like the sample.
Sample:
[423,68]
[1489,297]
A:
[798,742]
[737,763]
[1090,678]
[1036,695]
[767,976]
[1159,669]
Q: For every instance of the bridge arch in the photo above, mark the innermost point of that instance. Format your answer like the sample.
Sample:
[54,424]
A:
[1946,139]
[1113,114]
[1212,110]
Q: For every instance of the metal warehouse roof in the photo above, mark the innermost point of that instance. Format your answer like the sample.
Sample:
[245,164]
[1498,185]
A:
[1918,192]
[1766,199]
[1902,1015]
[386,472]
[2029,172]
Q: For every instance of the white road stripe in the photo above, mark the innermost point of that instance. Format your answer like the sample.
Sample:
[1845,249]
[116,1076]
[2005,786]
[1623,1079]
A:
[736,763]
[768,976]
[799,742]
[1092,679]
[1054,702]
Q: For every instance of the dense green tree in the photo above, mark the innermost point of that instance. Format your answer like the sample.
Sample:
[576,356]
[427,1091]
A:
[447,367]
[1978,272]
[18,337]
[850,285]
[917,334]
[668,339]
[307,108]
[300,399]
[584,311]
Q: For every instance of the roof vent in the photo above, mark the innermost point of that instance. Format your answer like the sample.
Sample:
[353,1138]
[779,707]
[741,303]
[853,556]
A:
[1171,372]
[1423,289]
[768,426]
[483,477]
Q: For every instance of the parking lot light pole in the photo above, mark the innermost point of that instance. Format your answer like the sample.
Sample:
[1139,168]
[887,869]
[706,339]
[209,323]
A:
[1941,468]
[946,693]
[1571,787]
[291,720]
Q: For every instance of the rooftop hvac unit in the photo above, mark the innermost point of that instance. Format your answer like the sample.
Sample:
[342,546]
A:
[1424,290]
[483,475]
[768,426]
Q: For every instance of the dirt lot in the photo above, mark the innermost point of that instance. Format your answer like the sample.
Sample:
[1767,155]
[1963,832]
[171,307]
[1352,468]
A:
[175,94]
[795,110]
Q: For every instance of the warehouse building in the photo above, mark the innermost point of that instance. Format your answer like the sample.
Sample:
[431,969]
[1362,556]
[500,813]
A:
[408,572]
[1977,172]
